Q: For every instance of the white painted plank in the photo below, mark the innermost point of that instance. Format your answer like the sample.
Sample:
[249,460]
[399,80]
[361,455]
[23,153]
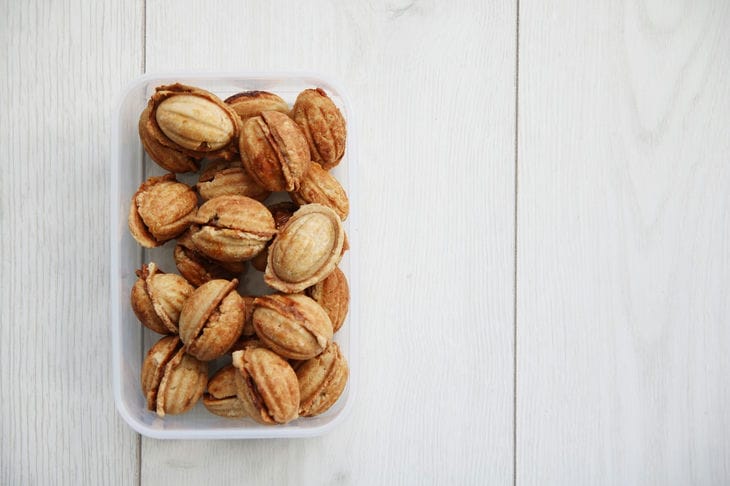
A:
[623,242]
[433,87]
[61,65]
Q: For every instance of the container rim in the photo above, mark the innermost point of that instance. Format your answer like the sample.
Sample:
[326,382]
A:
[283,431]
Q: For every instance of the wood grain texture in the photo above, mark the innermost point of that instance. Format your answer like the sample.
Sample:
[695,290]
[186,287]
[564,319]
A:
[623,242]
[433,87]
[62,64]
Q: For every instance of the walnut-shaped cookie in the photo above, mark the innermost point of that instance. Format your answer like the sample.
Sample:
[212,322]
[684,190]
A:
[321,381]
[226,178]
[333,294]
[274,151]
[248,306]
[166,157]
[198,268]
[221,398]
[172,380]
[294,326]
[157,298]
[252,103]
[306,250]
[266,385]
[161,209]
[319,186]
[232,228]
[211,319]
[281,212]
[191,121]
[323,125]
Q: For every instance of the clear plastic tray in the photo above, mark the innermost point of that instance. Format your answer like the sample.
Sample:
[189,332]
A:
[130,341]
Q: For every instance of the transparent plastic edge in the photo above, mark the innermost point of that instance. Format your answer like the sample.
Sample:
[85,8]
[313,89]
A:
[115,269]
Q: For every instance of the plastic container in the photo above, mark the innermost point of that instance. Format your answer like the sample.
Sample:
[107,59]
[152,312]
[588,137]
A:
[130,341]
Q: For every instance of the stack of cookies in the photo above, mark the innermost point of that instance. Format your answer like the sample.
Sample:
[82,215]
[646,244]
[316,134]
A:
[284,362]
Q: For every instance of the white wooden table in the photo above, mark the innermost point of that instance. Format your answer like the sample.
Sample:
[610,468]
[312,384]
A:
[545,238]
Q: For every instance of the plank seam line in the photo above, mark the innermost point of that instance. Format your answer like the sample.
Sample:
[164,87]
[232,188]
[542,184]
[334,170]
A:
[144,36]
[514,276]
